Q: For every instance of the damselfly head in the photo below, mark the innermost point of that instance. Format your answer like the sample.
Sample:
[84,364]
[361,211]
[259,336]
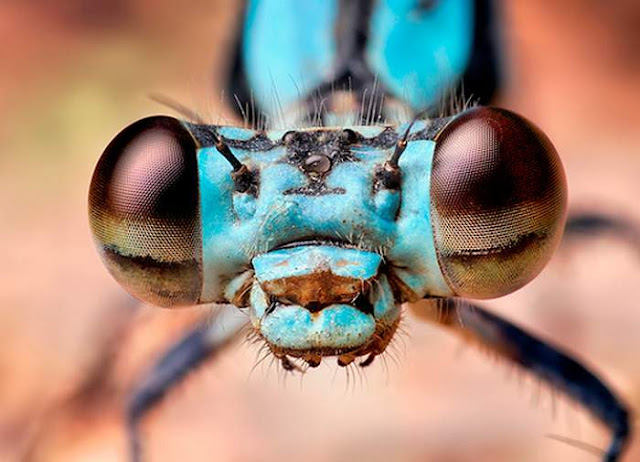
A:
[323,233]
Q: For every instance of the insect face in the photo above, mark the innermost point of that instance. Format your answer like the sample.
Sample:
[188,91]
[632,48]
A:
[320,249]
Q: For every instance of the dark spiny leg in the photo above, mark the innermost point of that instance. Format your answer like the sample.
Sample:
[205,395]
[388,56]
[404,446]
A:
[194,348]
[594,224]
[367,362]
[477,325]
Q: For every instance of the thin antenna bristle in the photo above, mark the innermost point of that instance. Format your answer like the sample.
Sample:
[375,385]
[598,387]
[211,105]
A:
[402,143]
[180,108]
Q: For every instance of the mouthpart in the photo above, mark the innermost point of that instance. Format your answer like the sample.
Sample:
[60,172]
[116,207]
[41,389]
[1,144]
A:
[314,301]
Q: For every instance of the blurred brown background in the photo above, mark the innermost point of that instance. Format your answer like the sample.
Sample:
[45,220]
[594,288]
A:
[75,72]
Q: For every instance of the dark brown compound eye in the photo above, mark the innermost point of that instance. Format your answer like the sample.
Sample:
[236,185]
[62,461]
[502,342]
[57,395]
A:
[144,211]
[498,202]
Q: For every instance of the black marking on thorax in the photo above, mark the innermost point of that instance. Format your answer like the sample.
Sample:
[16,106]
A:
[350,68]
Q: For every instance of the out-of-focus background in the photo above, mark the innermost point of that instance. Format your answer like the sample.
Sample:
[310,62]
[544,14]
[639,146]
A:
[75,72]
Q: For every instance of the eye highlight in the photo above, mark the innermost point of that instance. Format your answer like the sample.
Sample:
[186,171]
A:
[144,211]
[498,202]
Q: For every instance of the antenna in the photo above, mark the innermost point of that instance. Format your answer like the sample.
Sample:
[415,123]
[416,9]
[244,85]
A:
[389,174]
[401,145]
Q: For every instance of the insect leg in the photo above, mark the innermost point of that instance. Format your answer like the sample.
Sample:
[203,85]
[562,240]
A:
[558,369]
[188,353]
[594,224]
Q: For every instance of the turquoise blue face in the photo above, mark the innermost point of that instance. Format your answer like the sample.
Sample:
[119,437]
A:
[318,232]
[312,254]
[237,227]
[415,49]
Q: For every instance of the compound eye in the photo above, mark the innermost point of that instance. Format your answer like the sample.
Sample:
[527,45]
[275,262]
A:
[144,211]
[498,202]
